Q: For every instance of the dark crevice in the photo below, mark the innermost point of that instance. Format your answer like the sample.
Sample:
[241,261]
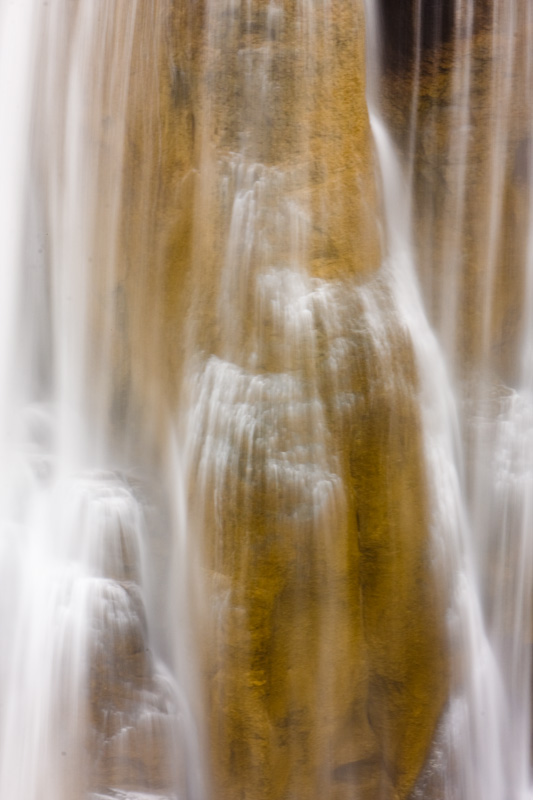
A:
[406,22]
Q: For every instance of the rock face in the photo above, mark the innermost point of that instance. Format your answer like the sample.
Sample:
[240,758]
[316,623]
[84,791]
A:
[253,309]
[471,176]
[461,112]
[319,677]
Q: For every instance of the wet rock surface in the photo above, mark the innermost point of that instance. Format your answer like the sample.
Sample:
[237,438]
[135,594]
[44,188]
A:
[133,741]
[471,226]
[252,250]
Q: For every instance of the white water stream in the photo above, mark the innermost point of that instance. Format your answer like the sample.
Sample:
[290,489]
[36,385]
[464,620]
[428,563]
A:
[74,564]
[97,698]
[477,428]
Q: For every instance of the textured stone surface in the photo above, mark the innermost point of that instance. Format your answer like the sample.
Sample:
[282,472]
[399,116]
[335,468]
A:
[470,175]
[322,654]
[329,667]
[471,245]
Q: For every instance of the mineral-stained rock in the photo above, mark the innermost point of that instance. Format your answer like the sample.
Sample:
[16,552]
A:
[327,649]
[470,185]
[461,113]
[251,269]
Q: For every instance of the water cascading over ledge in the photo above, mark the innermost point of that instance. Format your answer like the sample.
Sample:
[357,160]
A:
[284,233]
[463,122]
[245,486]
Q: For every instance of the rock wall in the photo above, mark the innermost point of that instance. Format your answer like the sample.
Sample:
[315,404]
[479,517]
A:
[251,306]
[460,116]
[470,168]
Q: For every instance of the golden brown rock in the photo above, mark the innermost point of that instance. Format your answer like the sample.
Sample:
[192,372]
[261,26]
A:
[250,234]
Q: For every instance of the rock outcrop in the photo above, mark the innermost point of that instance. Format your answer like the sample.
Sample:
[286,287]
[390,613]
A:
[253,308]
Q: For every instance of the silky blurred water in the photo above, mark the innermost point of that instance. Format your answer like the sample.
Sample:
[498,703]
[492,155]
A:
[115,564]
[454,255]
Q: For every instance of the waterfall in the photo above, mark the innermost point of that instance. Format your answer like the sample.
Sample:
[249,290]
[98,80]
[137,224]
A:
[82,692]
[266,407]
[469,248]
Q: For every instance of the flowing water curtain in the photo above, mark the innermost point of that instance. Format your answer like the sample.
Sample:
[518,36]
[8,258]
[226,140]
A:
[86,57]
[300,503]
[492,254]
[296,358]
[257,433]
[471,228]
[85,705]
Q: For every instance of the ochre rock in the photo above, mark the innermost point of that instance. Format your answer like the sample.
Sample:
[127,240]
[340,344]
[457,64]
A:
[322,649]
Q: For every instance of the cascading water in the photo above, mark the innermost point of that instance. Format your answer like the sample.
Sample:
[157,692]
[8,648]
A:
[74,555]
[473,250]
[472,752]
[265,493]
